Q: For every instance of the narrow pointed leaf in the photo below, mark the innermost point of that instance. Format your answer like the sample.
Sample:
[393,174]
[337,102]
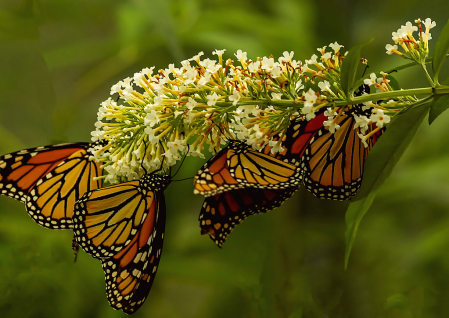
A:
[378,167]
[349,68]
[440,52]
[389,149]
[440,104]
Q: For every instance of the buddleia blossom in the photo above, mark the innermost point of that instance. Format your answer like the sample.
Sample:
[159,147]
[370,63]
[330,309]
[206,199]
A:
[153,119]
[412,48]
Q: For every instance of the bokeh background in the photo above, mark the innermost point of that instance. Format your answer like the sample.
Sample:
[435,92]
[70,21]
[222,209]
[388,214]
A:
[58,60]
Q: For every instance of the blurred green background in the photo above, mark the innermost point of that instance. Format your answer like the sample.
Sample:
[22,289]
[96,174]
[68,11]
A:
[58,60]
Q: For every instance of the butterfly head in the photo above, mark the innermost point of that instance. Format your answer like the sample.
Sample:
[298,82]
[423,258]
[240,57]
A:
[155,182]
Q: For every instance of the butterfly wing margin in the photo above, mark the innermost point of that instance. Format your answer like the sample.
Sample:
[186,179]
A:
[51,201]
[107,220]
[21,170]
[222,212]
[239,166]
[130,274]
[333,163]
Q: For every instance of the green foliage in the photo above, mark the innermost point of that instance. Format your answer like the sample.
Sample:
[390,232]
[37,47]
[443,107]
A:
[288,261]
[379,165]
[349,68]
[440,104]
[440,52]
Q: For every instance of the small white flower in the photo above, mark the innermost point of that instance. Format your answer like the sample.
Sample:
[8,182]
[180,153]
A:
[151,137]
[254,67]
[309,112]
[390,48]
[235,97]
[287,57]
[429,23]
[371,80]
[276,146]
[299,85]
[157,101]
[332,125]
[147,71]
[326,56]
[268,64]
[363,138]
[313,60]
[152,119]
[197,57]
[330,113]
[191,103]
[212,99]
[324,86]
[310,98]
[362,122]
[379,118]
[241,56]
[276,72]
[276,96]
[335,46]
[219,52]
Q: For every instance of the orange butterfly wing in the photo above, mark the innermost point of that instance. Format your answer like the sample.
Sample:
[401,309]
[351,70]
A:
[221,212]
[240,166]
[333,163]
[123,225]
[21,170]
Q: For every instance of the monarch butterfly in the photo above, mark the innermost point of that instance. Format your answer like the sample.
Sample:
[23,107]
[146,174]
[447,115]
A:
[240,166]
[220,213]
[240,181]
[123,226]
[332,163]
[49,180]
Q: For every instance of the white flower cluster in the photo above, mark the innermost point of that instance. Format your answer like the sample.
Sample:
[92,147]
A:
[177,111]
[404,37]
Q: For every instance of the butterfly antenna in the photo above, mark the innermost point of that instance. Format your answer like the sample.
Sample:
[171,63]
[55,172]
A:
[188,148]
[145,152]
[183,179]
[364,71]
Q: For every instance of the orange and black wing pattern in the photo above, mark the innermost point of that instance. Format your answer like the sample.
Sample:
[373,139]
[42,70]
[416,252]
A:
[333,162]
[49,180]
[240,166]
[21,170]
[123,226]
[222,212]
[51,201]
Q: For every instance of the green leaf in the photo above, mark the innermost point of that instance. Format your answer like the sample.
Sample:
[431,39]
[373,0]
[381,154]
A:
[390,147]
[440,52]
[379,165]
[439,105]
[354,215]
[393,82]
[349,68]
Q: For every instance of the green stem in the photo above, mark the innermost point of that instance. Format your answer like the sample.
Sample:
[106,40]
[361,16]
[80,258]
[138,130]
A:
[355,100]
[423,65]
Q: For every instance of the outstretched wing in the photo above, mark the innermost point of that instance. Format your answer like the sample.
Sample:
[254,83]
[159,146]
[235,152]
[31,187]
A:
[21,170]
[51,201]
[220,213]
[240,166]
